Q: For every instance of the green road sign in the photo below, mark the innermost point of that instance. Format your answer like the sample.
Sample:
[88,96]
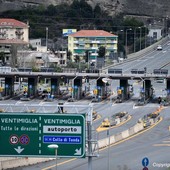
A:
[30,134]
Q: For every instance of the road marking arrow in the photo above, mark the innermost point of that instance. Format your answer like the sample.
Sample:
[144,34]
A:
[19,149]
[78,152]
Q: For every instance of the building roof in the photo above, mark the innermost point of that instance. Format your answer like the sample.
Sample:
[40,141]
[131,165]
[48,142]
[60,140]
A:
[92,33]
[8,22]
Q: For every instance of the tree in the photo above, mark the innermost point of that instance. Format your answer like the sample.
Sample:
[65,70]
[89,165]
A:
[86,57]
[2,57]
[132,22]
[51,10]
[102,52]
[69,54]
[97,11]
[77,58]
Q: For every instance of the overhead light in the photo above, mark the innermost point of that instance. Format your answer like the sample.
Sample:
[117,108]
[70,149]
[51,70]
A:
[105,80]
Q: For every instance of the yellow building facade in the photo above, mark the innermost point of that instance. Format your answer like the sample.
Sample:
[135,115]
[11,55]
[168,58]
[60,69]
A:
[91,40]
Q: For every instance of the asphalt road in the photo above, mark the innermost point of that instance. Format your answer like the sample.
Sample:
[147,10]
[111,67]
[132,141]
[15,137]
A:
[153,144]
[152,60]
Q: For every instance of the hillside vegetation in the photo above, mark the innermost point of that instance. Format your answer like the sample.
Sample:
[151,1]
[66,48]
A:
[147,8]
[78,15]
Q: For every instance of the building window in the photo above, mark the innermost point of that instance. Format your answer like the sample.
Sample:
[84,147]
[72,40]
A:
[62,62]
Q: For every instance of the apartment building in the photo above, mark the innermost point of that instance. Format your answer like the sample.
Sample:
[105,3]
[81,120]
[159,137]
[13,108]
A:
[91,40]
[13,29]
[12,32]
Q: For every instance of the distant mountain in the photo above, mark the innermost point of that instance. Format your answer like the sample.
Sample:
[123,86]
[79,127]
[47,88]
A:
[153,8]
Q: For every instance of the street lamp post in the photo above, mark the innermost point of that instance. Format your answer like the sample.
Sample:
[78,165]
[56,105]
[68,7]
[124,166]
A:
[140,37]
[126,39]
[121,34]
[54,146]
[135,38]
[145,34]
[106,80]
[150,25]
[47,37]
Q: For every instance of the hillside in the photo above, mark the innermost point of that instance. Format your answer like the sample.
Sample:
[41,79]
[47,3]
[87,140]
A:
[155,8]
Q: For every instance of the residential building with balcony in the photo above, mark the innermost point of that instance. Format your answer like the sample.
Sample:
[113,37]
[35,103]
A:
[13,29]
[91,40]
[12,32]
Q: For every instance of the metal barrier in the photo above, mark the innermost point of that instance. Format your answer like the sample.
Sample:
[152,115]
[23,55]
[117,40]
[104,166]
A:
[114,71]
[160,71]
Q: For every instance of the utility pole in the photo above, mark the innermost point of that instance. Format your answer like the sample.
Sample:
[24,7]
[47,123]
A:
[90,153]
[47,38]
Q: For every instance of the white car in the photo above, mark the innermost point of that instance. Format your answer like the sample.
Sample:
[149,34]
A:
[159,47]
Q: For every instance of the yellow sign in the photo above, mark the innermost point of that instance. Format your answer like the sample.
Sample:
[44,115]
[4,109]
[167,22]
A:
[25,89]
[95,91]
[71,89]
[119,91]
[1,89]
[48,89]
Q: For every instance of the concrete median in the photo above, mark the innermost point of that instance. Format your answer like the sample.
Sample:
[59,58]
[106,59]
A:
[102,143]
[16,162]
[138,127]
[120,136]
[125,134]
[131,131]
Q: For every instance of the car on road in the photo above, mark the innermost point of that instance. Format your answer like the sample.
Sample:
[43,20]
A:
[159,47]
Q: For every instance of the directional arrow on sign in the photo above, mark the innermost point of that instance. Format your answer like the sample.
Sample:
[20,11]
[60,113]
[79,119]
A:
[19,149]
[78,152]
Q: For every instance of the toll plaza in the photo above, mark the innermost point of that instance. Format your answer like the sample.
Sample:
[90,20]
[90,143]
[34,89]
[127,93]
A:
[33,78]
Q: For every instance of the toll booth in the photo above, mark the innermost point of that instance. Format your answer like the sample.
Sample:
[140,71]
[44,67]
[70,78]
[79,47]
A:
[101,93]
[168,84]
[148,89]
[120,94]
[77,89]
[54,86]
[125,89]
[9,86]
[32,86]
[87,87]
[168,89]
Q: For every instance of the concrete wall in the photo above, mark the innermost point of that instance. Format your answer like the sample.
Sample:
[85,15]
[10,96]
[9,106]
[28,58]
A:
[6,163]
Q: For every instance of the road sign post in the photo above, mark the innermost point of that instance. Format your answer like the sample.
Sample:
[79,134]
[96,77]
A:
[30,134]
[145,163]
